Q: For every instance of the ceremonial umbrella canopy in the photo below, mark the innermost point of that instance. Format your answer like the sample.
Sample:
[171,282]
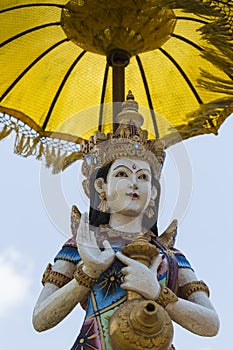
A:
[59,58]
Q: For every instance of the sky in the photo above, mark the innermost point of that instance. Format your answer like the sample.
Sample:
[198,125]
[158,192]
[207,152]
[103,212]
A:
[197,189]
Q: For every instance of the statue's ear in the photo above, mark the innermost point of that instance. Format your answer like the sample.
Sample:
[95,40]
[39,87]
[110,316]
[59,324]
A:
[154,192]
[99,185]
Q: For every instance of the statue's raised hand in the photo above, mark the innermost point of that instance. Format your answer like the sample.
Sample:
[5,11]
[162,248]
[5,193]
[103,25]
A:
[139,278]
[95,260]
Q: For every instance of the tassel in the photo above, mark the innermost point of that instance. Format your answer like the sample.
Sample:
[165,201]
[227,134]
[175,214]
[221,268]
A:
[57,165]
[41,151]
[5,132]
[48,157]
[26,147]
[33,148]
[199,7]
[18,149]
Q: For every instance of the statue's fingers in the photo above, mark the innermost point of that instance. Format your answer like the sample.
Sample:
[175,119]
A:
[124,259]
[81,230]
[126,285]
[107,246]
[92,239]
[125,271]
[157,262]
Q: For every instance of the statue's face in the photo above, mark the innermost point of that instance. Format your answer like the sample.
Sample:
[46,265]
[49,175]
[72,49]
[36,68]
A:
[128,187]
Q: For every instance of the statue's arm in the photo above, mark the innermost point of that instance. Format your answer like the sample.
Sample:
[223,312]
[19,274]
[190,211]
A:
[55,303]
[196,314]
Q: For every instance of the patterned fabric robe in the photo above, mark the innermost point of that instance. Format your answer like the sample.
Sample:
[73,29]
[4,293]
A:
[107,296]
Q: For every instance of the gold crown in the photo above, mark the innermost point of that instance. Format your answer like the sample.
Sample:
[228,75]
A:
[128,141]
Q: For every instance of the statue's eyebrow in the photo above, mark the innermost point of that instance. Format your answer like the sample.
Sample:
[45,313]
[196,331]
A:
[122,166]
[143,170]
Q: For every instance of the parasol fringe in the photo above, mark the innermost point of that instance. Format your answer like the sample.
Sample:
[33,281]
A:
[48,156]
[198,7]
[57,153]
[58,164]
[210,82]
[5,132]
[216,108]
[19,140]
[41,151]
[54,157]
[206,120]
[27,147]
[33,148]
[218,32]
[71,159]
[224,63]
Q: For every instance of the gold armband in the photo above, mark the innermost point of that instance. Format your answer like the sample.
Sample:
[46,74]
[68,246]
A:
[83,279]
[189,288]
[166,297]
[54,277]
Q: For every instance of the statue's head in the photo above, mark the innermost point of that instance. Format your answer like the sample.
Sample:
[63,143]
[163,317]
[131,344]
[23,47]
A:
[122,170]
[128,187]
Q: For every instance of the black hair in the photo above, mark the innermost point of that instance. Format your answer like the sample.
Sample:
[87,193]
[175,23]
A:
[97,217]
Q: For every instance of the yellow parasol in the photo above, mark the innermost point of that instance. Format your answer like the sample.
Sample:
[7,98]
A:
[59,58]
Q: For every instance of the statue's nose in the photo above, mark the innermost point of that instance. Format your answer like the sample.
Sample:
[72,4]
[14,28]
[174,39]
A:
[134,186]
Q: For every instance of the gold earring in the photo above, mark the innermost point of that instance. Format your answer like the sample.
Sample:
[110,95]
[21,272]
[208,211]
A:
[103,206]
[149,211]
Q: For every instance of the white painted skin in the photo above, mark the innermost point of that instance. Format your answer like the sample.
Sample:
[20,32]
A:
[125,177]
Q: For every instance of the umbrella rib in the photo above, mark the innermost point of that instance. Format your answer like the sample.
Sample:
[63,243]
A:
[187,41]
[31,5]
[60,89]
[30,66]
[103,97]
[181,71]
[28,31]
[148,95]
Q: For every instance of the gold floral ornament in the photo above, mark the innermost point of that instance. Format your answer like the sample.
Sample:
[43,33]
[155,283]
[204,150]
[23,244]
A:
[129,140]
[124,25]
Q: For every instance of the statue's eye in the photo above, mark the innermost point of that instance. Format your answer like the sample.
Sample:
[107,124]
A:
[143,177]
[121,173]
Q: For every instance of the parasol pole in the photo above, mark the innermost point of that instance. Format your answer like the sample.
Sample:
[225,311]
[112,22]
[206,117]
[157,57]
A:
[118,60]
[118,89]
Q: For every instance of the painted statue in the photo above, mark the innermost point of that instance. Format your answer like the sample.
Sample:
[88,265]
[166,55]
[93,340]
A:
[132,282]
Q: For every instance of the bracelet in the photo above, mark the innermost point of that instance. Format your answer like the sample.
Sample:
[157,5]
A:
[54,277]
[166,297]
[83,279]
[192,287]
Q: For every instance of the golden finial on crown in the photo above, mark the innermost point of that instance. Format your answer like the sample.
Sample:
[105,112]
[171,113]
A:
[128,141]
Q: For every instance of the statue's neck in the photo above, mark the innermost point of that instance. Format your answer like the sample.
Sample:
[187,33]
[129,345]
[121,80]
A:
[125,223]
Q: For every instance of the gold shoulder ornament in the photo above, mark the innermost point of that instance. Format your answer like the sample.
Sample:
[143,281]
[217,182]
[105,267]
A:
[54,277]
[188,289]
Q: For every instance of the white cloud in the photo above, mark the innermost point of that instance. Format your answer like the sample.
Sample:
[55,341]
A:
[15,280]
